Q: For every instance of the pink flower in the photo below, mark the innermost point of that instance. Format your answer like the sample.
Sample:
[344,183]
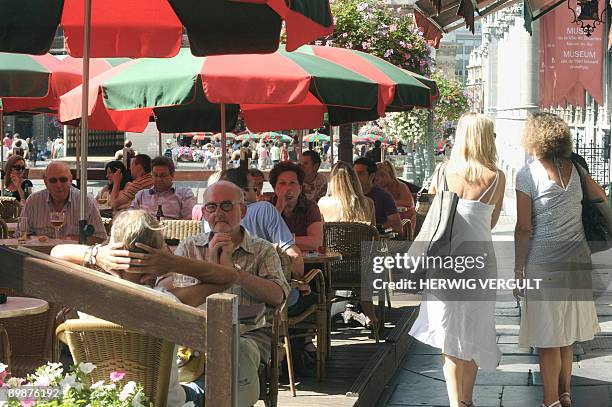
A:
[365,45]
[116,376]
[344,35]
[29,402]
[393,27]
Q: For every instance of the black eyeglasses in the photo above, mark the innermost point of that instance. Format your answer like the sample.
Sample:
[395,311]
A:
[18,168]
[225,206]
[54,180]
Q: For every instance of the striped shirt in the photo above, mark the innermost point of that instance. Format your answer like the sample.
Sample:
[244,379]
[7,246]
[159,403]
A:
[128,193]
[38,208]
[176,203]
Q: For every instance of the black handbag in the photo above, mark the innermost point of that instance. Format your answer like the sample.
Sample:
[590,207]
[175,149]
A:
[596,217]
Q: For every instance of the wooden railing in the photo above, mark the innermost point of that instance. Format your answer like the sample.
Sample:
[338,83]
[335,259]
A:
[214,331]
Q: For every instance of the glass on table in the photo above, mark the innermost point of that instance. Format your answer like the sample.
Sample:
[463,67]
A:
[22,227]
[57,221]
[103,198]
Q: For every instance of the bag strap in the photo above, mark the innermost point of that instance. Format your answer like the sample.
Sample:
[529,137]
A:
[581,174]
[442,177]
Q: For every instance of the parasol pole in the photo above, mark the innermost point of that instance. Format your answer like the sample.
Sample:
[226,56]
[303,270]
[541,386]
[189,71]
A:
[331,147]
[78,154]
[1,147]
[159,136]
[223,139]
[85,230]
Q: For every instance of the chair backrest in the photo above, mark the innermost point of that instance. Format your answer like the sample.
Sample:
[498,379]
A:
[145,359]
[3,229]
[346,238]
[180,229]
[407,230]
[9,208]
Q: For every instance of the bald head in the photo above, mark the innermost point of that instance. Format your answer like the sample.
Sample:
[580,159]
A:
[58,181]
[57,167]
[225,188]
[224,208]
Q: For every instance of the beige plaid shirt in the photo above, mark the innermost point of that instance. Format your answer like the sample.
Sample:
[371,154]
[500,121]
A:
[255,256]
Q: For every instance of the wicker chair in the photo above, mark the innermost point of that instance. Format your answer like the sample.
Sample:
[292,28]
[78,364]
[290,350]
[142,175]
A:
[314,318]
[31,337]
[180,229]
[10,208]
[346,238]
[407,230]
[145,359]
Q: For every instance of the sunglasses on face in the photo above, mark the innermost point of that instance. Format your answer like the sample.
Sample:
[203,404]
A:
[18,168]
[54,180]
[225,206]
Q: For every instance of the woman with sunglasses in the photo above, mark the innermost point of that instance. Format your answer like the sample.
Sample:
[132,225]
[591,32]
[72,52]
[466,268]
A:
[14,183]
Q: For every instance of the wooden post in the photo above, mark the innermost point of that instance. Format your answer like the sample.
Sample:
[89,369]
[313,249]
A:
[221,352]
[1,147]
[345,147]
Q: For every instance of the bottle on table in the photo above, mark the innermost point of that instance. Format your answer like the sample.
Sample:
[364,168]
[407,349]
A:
[160,213]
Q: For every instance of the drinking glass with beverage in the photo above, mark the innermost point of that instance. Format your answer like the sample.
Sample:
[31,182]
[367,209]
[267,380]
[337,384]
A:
[23,229]
[57,221]
[102,198]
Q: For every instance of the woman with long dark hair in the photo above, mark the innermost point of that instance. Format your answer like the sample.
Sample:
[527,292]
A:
[115,172]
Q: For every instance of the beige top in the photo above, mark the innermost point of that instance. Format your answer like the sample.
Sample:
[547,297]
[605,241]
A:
[20,306]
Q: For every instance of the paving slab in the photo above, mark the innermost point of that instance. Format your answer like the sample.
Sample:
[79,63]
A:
[526,396]
[416,390]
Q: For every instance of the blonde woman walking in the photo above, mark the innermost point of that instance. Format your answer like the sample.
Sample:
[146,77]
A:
[465,330]
[345,201]
[549,240]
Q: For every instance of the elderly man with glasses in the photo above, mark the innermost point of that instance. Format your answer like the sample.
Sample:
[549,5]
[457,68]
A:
[226,259]
[165,199]
[60,196]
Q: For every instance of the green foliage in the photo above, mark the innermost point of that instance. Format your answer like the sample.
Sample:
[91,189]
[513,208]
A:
[374,27]
[453,101]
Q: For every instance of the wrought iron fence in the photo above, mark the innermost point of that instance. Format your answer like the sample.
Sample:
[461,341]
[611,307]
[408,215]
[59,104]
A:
[597,156]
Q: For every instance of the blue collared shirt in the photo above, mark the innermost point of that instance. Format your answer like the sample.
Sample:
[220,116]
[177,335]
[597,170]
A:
[176,203]
[38,208]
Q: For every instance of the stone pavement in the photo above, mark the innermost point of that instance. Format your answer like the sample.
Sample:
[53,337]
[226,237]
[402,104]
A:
[516,383]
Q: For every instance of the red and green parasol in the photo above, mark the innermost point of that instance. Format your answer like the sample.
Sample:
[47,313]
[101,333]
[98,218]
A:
[399,89]
[154,28]
[34,82]
[316,138]
[274,136]
[184,93]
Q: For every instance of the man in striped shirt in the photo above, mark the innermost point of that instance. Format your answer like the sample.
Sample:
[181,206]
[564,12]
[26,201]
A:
[175,202]
[140,168]
[60,196]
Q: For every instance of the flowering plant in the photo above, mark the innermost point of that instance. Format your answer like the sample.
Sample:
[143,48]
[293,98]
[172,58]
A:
[50,386]
[376,28]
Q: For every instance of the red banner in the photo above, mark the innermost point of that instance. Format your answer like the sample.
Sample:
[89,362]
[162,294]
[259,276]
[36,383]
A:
[570,62]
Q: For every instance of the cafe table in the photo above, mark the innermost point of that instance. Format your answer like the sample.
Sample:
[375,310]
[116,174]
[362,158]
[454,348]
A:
[18,307]
[37,243]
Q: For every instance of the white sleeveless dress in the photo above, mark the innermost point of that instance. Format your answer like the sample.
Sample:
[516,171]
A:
[464,329]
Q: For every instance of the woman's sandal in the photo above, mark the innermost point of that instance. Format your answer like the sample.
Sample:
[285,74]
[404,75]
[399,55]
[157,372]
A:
[566,400]
[467,403]
[555,404]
